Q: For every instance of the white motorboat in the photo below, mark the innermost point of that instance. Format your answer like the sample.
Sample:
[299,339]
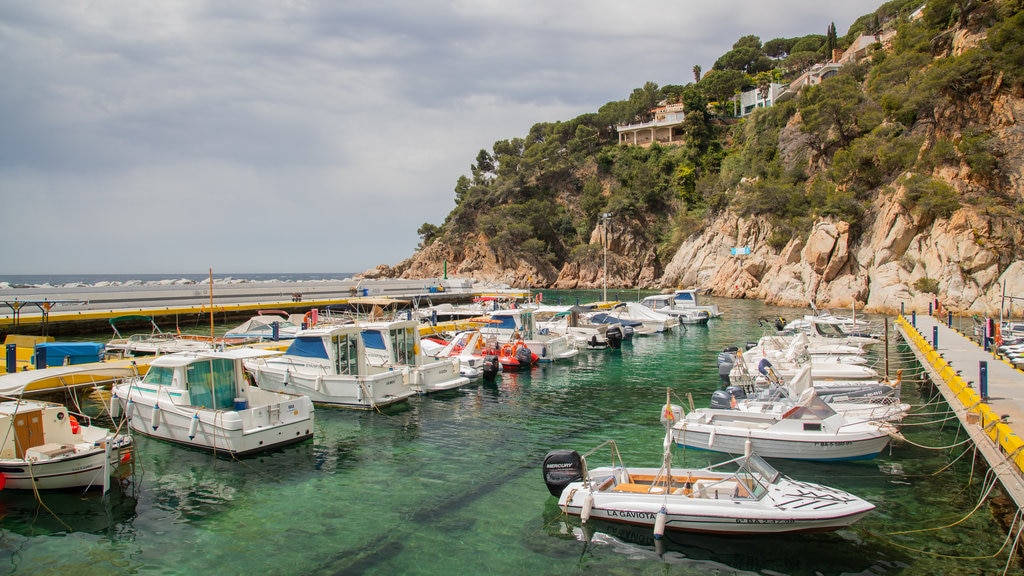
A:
[206,400]
[780,398]
[666,304]
[824,329]
[571,320]
[265,326]
[810,430]
[690,298]
[330,365]
[158,342]
[395,345]
[744,495]
[471,350]
[46,447]
[651,322]
[516,324]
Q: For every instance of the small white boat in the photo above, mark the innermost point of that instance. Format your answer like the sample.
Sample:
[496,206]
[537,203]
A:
[741,496]
[265,326]
[44,447]
[690,298]
[666,304]
[810,430]
[572,320]
[470,348]
[779,399]
[395,345]
[330,365]
[515,324]
[206,400]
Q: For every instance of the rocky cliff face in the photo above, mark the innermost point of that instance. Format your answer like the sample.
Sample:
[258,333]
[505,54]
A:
[971,258]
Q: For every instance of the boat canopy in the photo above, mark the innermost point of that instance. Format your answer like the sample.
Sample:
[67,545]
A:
[308,347]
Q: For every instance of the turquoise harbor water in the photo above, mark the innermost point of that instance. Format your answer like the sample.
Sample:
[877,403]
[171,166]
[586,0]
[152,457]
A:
[451,484]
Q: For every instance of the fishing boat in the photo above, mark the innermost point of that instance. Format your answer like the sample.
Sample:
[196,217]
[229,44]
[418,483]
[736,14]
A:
[742,496]
[206,400]
[329,364]
[45,446]
[510,326]
[395,345]
[809,430]
[690,298]
[666,304]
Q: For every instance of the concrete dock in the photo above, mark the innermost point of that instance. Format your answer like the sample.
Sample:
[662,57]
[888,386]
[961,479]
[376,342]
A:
[55,310]
[985,391]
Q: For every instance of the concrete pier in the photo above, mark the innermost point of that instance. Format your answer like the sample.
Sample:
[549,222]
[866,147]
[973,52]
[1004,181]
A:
[995,421]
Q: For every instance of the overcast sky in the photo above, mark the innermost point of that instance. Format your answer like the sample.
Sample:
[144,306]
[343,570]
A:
[167,136]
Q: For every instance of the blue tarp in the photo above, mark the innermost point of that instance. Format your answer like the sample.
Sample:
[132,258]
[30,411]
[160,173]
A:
[75,352]
[373,340]
[308,347]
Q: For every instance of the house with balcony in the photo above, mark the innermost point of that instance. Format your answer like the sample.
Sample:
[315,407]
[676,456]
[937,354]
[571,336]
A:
[665,128]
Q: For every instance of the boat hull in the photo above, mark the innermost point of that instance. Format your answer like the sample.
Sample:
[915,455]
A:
[230,432]
[784,508]
[346,391]
[826,447]
[76,470]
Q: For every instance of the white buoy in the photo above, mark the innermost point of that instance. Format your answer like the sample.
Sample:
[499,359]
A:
[747,448]
[156,416]
[115,407]
[193,426]
[659,523]
[711,438]
[588,505]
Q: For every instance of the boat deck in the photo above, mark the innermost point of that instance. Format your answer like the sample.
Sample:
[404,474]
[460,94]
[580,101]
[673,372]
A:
[993,414]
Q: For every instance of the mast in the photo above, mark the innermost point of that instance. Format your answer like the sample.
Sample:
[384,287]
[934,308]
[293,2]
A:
[211,305]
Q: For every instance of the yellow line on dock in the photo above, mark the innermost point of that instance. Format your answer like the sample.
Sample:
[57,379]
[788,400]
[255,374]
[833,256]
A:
[995,437]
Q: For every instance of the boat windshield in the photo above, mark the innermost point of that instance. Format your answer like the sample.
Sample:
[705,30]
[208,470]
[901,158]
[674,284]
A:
[758,466]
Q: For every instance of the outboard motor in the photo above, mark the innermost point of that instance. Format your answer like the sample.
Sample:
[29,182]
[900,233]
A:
[736,392]
[726,360]
[614,336]
[721,400]
[525,357]
[490,367]
[562,467]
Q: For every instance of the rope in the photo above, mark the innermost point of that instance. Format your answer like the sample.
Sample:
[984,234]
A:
[951,446]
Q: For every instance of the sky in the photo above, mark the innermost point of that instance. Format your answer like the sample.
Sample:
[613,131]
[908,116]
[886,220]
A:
[176,136]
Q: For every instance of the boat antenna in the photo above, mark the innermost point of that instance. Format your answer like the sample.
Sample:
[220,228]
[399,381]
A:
[211,304]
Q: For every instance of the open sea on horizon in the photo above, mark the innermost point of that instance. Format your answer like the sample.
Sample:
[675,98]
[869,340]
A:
[451,484]
[34,280]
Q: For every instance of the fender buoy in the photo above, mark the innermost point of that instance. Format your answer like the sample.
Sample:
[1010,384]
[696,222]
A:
[75,427]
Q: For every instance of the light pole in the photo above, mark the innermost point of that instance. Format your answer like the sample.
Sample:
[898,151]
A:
[604,241]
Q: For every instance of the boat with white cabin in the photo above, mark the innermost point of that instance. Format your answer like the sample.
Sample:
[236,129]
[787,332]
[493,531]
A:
[206,400]
[47,447]
[329,364]
[511,325]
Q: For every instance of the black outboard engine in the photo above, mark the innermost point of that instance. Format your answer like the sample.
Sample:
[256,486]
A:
[726,360]
[562,467]
[490,367]
[525,357]
[736,392]
[614,336]
[721,400]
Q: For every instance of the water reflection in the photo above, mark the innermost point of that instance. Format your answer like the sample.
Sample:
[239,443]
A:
[58,512]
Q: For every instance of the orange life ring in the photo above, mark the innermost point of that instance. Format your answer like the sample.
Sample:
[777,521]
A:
[506,350]
[75,427]
[308,319]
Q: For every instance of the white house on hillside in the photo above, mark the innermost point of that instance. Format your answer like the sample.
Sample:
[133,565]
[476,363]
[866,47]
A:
[666,128]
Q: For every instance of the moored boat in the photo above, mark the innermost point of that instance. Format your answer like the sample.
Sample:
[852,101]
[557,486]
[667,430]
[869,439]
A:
[44,446]
[744,495]
[206,400]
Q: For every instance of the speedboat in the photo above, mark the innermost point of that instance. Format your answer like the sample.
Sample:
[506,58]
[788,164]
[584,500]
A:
[266,325]
[45,446]
[809,430]
[207,400]
[744,495]
[330,364]
[570,320]
[468,346]
[690,298]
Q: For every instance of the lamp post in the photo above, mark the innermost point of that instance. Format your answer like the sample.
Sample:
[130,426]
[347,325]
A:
[604,241]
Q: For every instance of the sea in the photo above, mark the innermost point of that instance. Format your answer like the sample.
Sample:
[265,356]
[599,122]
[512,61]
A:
[131,280]
[451,484]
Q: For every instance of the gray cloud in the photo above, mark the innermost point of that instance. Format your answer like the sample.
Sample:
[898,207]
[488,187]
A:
[261,136]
